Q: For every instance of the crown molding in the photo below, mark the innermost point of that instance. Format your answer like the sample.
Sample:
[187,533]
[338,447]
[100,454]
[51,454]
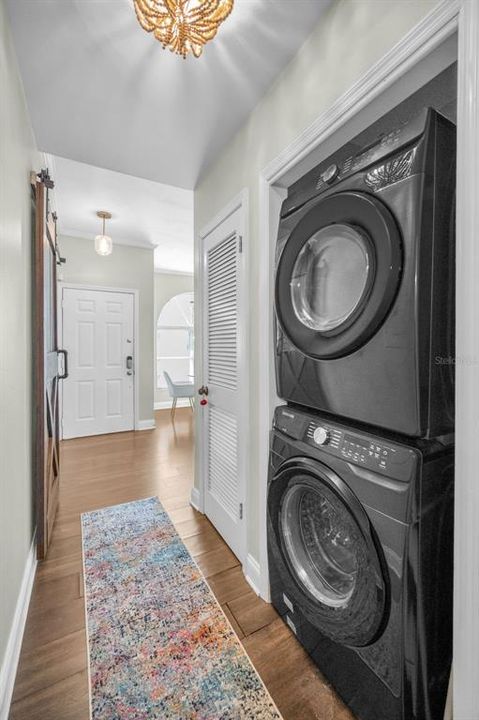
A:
[138,244]
[168,271]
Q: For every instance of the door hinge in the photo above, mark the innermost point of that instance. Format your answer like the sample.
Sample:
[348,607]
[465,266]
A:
[240,244]
[241,511]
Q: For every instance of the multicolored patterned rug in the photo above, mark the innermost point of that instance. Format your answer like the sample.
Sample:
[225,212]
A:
[159,643]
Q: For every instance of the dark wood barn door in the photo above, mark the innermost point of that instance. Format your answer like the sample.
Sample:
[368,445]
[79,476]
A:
[46,372]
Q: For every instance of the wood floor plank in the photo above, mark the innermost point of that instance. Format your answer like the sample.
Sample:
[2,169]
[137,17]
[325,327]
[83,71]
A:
[193,526]
[216,561]
[229,584]
[62,546]
[49,569]
[47,625]
[251,612]
[203,542]
[65,700]
[56,591]
[232,621]
[51,663]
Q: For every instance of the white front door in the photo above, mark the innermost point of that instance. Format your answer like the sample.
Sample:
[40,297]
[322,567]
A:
[98,334]
[223,418]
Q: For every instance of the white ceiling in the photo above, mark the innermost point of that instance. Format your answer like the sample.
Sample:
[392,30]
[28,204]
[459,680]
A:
[145,213]
[102,91]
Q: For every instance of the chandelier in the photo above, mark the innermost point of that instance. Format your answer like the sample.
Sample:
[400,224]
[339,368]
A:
[183,26]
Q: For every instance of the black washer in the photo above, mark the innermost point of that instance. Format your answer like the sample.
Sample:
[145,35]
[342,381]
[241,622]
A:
[328,549]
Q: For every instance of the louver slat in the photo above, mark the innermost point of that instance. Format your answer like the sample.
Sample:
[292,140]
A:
[222,314]
[223,460]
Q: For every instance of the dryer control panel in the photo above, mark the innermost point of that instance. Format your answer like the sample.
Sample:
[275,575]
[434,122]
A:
[355,447]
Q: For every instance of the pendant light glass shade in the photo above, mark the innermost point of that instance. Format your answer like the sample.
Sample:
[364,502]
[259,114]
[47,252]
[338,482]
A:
[103,243]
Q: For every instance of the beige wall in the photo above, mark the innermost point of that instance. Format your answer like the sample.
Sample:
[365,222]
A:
[351,36]
[126,267]
[167,285]
[18,157]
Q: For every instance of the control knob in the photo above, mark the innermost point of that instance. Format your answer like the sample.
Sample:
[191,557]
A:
[321,436]
[330,174]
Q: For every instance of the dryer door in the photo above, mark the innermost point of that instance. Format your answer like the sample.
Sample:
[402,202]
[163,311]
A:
[327,554]
[338,274]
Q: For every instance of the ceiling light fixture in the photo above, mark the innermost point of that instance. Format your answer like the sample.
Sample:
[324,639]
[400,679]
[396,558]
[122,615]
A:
[183,26]
[103,243]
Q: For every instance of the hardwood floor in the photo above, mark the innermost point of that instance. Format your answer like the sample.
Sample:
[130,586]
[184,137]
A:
[52,679]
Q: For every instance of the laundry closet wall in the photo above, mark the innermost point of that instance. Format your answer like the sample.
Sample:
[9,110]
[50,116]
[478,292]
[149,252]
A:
[18,157]
[350,37]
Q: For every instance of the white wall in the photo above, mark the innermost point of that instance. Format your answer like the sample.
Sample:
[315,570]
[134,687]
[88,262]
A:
[126,267]
[18,157]
[167,285]
[349,39]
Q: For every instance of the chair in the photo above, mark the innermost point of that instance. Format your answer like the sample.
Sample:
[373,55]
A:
[179,390]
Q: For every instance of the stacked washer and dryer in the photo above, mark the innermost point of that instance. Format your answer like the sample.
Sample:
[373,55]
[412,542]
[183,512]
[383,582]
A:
[360,491]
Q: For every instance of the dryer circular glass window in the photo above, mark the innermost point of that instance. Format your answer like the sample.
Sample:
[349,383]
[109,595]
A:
[337,274]
[331,277]
[320,541]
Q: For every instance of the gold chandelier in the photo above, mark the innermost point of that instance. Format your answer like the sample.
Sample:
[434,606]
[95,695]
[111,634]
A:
[183,26]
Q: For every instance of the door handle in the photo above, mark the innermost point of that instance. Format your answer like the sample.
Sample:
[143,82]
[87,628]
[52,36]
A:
[129,364]
[65,364]
[203,390]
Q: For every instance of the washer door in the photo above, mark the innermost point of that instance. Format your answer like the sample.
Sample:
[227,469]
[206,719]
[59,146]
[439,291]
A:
[328,551]
[338,275]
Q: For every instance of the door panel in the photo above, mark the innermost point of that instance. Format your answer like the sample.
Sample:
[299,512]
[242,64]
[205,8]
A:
[46,375]
[98,396]
[223,357]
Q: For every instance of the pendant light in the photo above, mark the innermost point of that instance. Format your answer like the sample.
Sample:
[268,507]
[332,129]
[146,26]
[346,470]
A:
[103,243]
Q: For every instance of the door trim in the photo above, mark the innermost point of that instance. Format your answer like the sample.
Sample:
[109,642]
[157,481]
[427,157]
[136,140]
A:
[137,424]
[240,202]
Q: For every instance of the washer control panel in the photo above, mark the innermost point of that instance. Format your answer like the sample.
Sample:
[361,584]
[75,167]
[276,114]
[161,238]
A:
[365,450]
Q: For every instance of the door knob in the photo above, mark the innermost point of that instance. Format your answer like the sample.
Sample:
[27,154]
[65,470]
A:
[203,390]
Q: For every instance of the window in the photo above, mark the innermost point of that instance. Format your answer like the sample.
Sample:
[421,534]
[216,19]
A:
[175,340]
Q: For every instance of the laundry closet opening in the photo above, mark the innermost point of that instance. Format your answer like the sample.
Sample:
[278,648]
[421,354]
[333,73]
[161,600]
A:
[361,466]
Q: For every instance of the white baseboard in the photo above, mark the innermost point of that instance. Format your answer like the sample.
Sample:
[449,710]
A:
[195,499]
[166,404]
[146,424]
[9,666]
[252,573]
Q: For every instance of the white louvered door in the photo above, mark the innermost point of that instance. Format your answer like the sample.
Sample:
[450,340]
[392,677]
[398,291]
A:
[223,363]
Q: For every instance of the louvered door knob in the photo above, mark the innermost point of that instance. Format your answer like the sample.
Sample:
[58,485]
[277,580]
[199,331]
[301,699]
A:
[203,390]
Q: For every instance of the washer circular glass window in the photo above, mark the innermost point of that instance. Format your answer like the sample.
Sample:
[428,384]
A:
[331,277]
[321,540]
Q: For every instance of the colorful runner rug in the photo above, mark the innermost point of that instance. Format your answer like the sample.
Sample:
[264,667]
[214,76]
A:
[159,643]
